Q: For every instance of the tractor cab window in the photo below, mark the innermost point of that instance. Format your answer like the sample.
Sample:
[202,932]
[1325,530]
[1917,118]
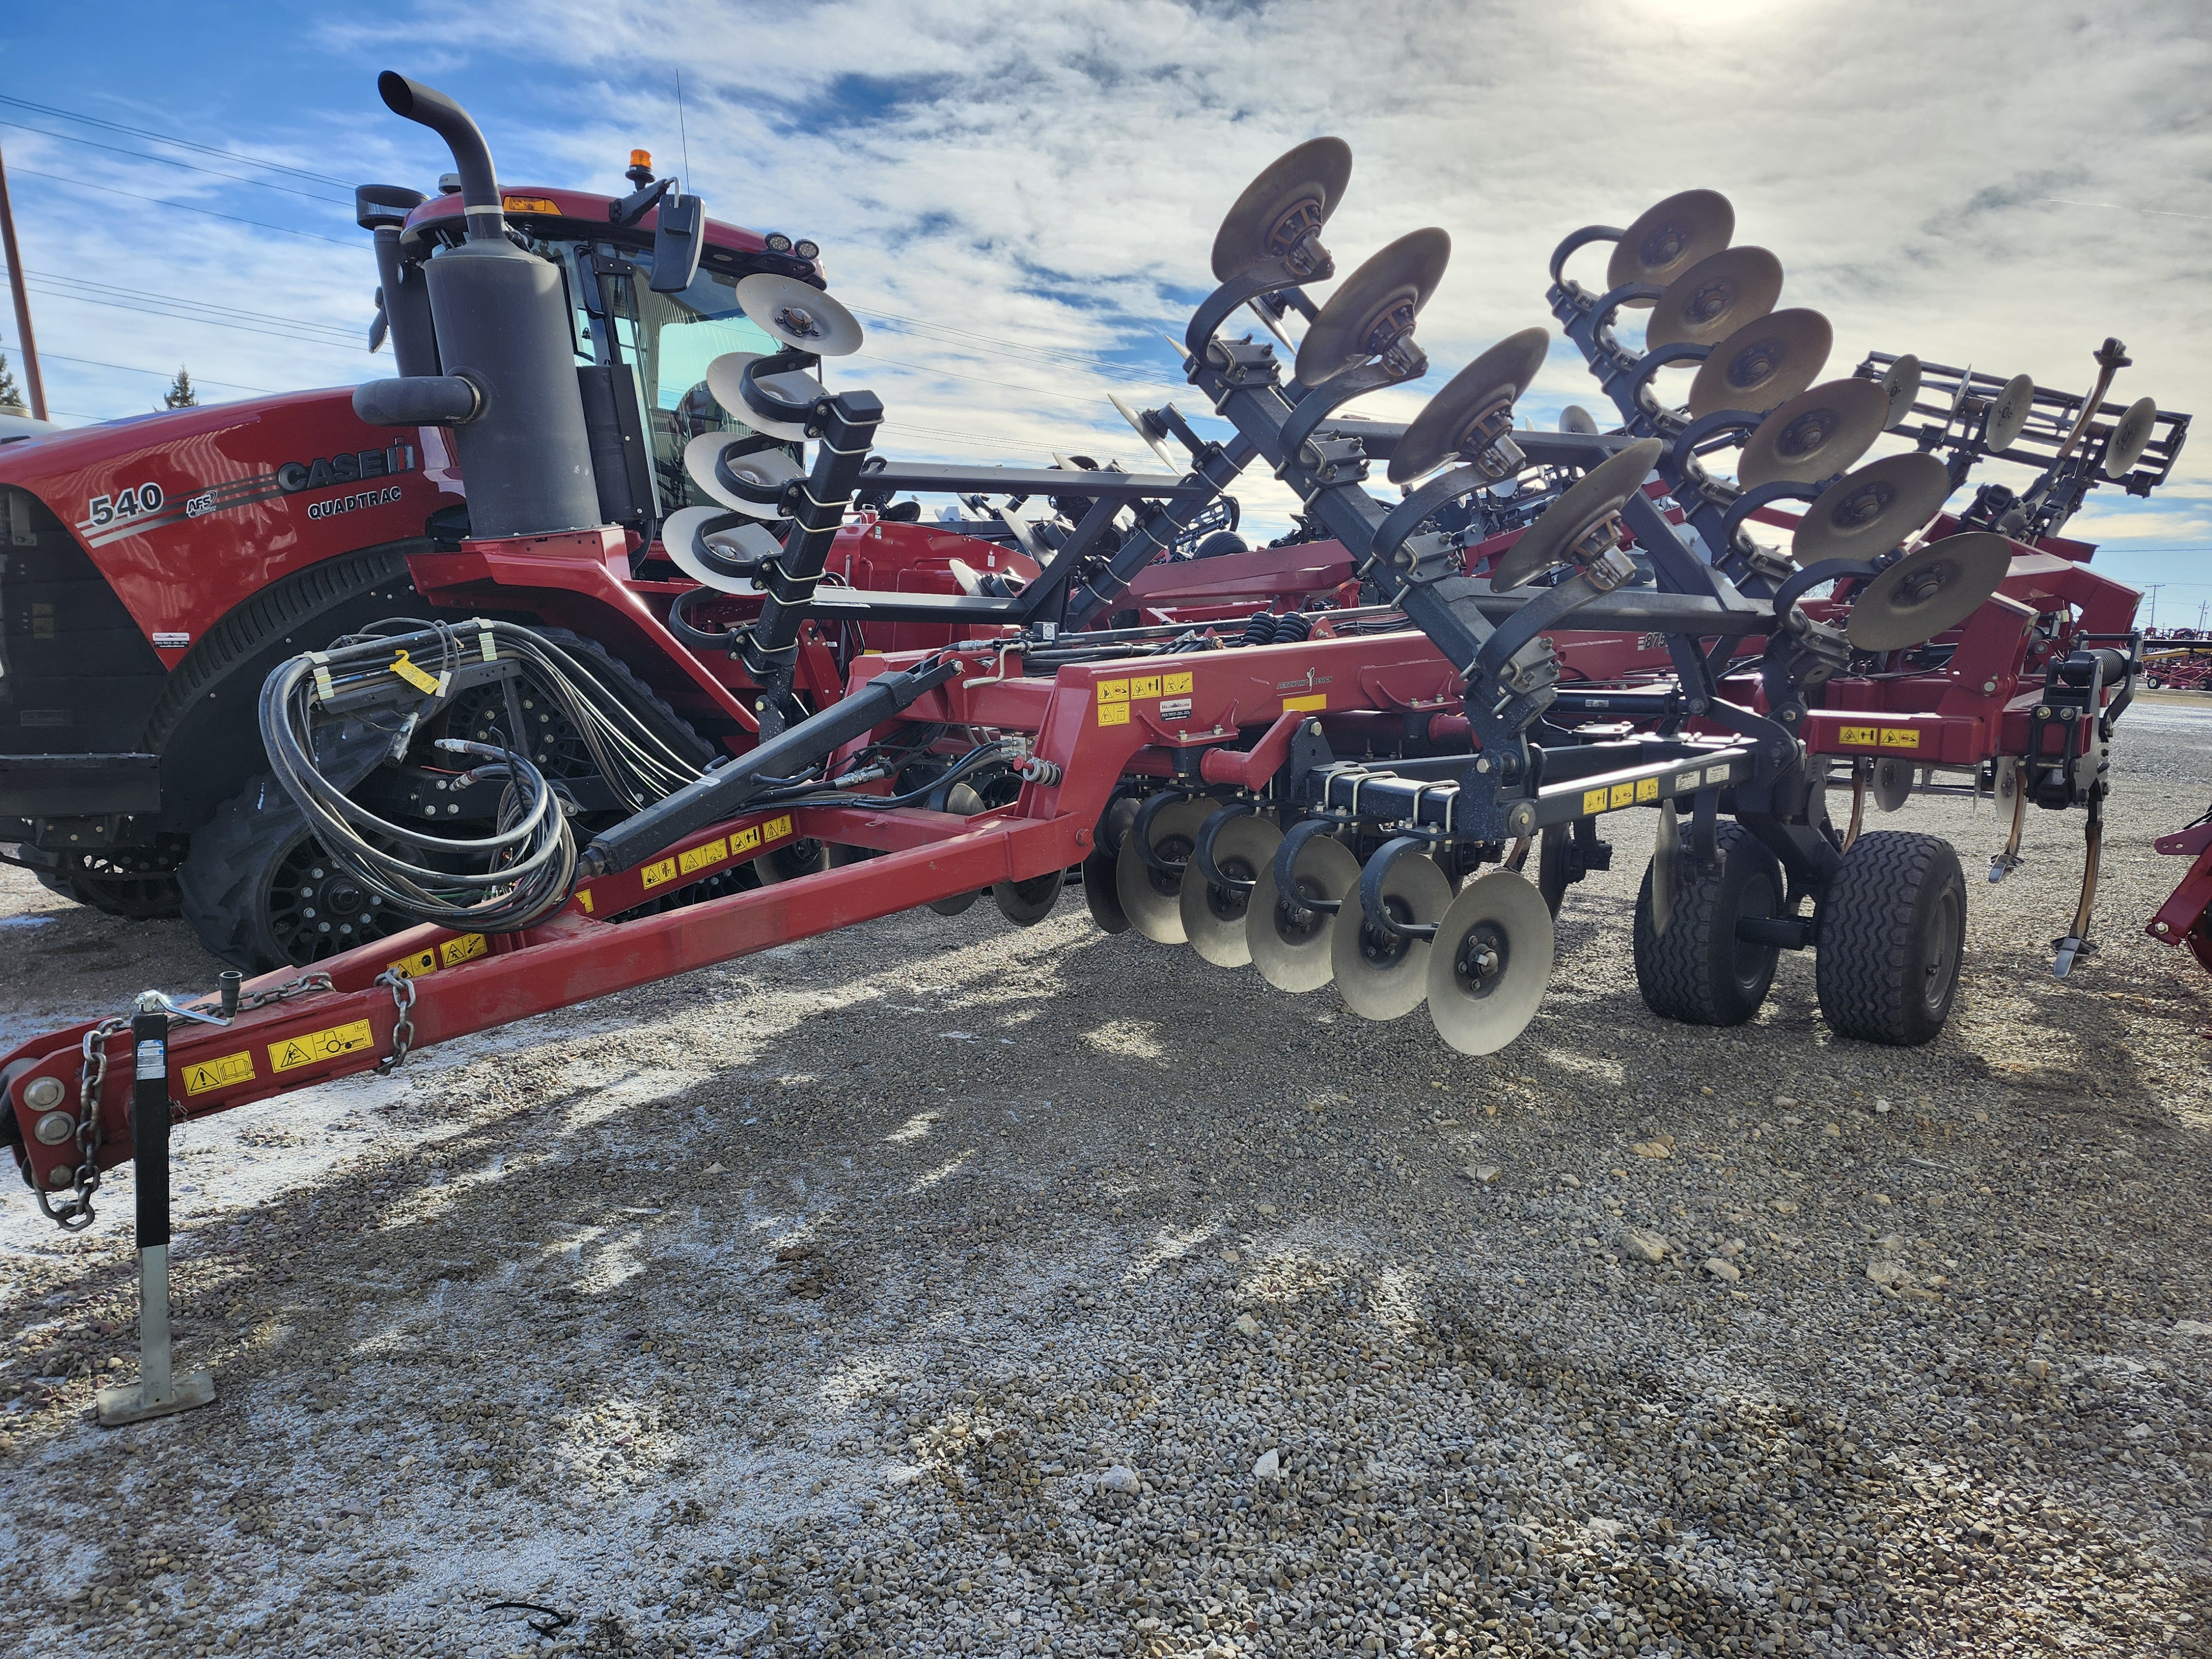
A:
[668,339]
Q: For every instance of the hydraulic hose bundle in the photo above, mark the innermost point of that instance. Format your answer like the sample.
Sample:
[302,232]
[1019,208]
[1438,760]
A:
[522,872]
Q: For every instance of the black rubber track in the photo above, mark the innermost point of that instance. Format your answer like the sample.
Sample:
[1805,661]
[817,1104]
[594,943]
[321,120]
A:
[1698,971]
[1887,963]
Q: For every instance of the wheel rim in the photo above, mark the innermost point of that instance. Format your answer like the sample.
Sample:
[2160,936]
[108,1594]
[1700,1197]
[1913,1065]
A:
[315,910]
[1752,960]
[1941,960]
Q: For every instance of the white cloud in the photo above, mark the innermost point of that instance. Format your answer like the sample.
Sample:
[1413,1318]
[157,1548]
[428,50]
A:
[1052,176]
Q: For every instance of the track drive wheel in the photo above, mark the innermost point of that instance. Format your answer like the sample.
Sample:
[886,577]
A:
[1891,930]
[137,883]
[262,893]
[1696,969]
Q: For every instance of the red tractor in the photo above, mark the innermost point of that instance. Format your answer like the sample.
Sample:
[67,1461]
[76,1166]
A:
[158,568]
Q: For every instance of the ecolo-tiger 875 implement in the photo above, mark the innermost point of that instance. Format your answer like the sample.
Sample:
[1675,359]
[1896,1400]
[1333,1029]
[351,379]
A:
[1348,793]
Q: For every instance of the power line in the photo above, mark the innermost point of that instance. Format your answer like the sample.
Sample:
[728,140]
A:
[136,293]
[170,138]
[182,207]
[132,368]
[172,162]
[121,297]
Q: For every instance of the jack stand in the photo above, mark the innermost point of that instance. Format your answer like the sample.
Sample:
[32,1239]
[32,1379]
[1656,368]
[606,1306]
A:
[157,1393]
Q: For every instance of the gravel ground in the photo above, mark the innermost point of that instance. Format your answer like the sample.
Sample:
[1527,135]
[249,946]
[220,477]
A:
[940,1287]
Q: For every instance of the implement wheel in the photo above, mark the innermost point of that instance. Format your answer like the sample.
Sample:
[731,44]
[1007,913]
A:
[1697,970]
[1892,929]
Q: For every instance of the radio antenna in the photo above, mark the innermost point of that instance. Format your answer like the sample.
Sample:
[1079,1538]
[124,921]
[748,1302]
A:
[680,132]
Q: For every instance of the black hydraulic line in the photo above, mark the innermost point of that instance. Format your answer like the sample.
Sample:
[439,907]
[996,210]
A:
[729,790]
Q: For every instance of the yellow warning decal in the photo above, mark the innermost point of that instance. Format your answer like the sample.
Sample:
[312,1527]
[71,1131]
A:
[1858,734]
[1647,789]
[584,899]
[317,1046]
[700,857]
[423,962]
[654,874]
[467,948]
[203,1075]
[743,841]
[1175,685]
[1624,794]
[1113,713]
[1593,800]
[1300,705]
[530,204]
[1145,685]
[414,675]
[1899,737]
[1113,691]
[776,829]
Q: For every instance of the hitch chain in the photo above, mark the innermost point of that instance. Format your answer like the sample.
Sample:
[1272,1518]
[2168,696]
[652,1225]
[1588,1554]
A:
[75,1214]
[403,1030]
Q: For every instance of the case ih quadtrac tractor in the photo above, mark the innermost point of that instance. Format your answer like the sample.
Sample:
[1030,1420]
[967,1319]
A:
[157,568]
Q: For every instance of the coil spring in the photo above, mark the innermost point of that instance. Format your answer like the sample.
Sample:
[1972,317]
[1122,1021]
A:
[1261,628]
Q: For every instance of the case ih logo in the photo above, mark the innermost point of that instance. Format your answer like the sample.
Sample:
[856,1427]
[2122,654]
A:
[323,473]
[144,507]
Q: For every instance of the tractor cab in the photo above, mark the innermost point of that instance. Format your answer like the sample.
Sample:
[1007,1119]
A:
[652,291]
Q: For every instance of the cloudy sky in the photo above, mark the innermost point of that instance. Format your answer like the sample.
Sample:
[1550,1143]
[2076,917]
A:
[1019,199]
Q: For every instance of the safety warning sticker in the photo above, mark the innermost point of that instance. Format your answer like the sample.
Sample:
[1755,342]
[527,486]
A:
[776,829]
[1879,737]
[316,1046]
[1300,705]
[202,1075]
[653,875]
[698,858]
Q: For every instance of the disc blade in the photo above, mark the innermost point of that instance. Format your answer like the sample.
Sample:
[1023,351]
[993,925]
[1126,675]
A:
[1901,380]
[799,315]
[1666,850]
[1601,491]
[1026,903]
[1930,590]
[1214,917]
[1294,194]
[1402,275]
[1866,513]
[679,537]
[967,803]
[1575,418]
[1764,363]
[1893,783]
[1378,974]
[1669,237]
[1442,429]
[1293,952]
[2130,438]
[1152,898]
[2009,413]
[725,381]
[1490,963]
[1815,435]
[766,469]
[1100,894]
[1714,298]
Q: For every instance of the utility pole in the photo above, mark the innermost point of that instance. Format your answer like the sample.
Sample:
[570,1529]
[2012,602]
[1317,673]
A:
[32,379]
[2152,588]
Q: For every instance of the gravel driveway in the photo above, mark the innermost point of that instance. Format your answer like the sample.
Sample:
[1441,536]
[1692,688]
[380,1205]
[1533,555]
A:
[940,1287]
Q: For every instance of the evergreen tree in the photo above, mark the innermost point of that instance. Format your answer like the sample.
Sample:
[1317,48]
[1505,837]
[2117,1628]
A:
[10,400]
[180,394]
